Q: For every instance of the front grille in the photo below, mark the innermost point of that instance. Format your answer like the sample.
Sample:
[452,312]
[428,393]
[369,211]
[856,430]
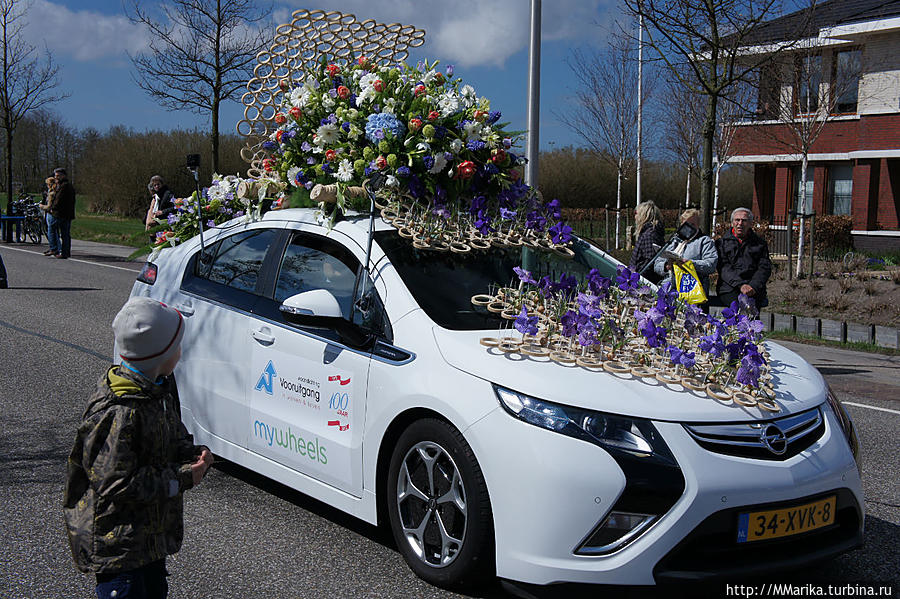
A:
[775,439]
[711,550]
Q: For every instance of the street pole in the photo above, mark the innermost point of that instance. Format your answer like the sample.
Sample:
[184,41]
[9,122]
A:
[534,95]
[640,107]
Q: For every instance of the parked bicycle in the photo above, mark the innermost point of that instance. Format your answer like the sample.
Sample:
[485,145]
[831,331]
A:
[34,226]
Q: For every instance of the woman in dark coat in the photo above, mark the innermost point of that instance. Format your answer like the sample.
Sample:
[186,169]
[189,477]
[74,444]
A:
[649,236]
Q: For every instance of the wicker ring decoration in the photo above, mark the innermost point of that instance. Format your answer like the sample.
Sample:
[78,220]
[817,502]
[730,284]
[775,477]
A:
[668,379]
[616,367]
[562,357]
[489,341]
[590,362]
[482,299]
[296,49]
[534,350]
[718,392]
[693,383]
[768,405]
[744,399]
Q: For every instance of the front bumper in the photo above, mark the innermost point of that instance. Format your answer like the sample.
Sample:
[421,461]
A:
[548,491]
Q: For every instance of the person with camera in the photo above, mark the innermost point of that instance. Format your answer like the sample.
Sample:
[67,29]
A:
[744,264]
[162,203]
[689,244]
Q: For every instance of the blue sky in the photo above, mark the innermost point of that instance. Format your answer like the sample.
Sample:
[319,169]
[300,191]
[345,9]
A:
[487,41]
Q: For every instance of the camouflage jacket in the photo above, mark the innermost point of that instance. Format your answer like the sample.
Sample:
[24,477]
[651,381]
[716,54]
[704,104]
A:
[127,471]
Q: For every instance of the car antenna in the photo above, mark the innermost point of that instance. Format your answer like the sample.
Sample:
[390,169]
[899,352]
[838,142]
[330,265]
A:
[193,165]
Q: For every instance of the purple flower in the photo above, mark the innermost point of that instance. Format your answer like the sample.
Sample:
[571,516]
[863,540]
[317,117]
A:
[269,146]
[679,356]
[747,305]
[172,219]
[570,322]
[626,279]
[712,344]
[587,306]
[403,171]
[310,161]
[507,214]
[535,220]
[305,146]
[475,145]
[428,161]
[210,223]
[693,319]
[524,275]
[598,284]
[483,223]
[449,70]
[527,325]
[587,335]
[561,232]
[507,143]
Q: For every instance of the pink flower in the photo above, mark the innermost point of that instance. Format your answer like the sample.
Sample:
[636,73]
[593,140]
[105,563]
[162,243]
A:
[419,90]
[380,162]
[330,155]
[433,115]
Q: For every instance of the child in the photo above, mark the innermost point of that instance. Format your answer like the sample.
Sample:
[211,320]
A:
[133,459]
[48,204]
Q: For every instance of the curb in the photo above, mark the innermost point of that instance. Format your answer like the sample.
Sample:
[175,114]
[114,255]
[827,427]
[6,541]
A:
[831,330]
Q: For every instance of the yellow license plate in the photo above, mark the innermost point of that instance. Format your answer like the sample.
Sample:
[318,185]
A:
[784,522]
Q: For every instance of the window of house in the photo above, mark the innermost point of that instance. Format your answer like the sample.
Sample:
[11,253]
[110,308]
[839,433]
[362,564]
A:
[840,188]
[769,98]
[808,85]
[808,190]
[847,71]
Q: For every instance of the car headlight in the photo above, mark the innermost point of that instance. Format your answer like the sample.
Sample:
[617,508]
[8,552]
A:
[653,479]
[635,436]
[846,423]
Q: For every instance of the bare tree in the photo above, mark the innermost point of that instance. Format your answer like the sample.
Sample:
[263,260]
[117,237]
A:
[683,126]
[28,81]
[813,100]
[703,42]
[606,113]
[201,53]
[732,111]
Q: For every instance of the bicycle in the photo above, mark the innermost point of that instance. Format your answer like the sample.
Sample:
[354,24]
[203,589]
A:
[33,227]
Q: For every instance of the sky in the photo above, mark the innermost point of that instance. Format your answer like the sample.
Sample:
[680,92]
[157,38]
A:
[486,41]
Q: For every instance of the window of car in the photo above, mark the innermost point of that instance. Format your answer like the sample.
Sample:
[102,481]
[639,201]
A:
[231,270]
[443,283]
[313,262]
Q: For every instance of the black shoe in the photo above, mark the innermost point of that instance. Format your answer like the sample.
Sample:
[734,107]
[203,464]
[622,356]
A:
[49,252]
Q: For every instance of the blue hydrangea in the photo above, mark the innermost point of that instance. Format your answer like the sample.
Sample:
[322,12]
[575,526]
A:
[383,122]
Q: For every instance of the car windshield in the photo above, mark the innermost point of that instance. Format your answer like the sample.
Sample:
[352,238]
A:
[443,283]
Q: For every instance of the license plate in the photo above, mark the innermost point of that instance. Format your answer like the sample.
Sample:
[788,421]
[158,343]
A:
[784,522]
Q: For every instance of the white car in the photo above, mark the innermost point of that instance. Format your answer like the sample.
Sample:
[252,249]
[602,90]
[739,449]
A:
[389,409]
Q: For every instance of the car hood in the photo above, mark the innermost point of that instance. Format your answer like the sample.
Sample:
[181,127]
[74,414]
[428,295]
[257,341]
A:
[798,386]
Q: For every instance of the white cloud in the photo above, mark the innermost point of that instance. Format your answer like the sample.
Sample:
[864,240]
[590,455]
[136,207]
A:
[474,32]
[82,34]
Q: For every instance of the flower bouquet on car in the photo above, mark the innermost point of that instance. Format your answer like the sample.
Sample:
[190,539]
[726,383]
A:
[450,176]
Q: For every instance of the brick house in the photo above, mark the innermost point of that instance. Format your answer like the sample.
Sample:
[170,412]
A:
[852,74]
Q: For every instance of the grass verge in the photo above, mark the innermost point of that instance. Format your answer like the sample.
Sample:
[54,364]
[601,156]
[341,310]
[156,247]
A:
[813,340]
[106,228]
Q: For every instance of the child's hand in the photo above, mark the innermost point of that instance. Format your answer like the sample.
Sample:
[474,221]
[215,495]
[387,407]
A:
[201,465]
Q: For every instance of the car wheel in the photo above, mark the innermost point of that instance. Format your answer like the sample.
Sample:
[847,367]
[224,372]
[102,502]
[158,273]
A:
[438,506]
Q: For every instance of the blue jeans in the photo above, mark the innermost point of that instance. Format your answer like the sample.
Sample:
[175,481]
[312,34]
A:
[53,233]
[147,582]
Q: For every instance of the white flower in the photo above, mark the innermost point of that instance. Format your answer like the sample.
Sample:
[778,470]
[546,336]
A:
[217,191]
[354,132]
[327,134]
[392,181]
[456,145]
[467,94]
[389,105]
[473,130]
[292,175]
[327,102]
[429,76]
[345,171]
[448,104]
[439,163]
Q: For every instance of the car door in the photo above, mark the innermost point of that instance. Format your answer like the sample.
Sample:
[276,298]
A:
[308,388]
[220,286]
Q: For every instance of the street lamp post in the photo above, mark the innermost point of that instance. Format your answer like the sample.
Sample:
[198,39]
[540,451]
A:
[534,95]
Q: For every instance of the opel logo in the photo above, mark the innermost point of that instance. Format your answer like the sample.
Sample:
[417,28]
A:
[774,439]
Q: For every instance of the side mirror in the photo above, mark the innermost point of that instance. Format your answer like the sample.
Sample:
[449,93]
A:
[318,308]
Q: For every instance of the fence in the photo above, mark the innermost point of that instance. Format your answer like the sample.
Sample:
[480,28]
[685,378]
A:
[782,233]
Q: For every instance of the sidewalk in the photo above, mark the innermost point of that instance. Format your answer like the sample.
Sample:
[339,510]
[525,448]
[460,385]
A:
[87,250]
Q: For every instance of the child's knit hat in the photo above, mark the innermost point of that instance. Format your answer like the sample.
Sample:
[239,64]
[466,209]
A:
[147,333]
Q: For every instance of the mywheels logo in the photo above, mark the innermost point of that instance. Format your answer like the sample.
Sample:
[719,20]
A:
[265,379]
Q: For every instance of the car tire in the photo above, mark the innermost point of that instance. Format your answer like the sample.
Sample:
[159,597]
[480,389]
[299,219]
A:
[442,523]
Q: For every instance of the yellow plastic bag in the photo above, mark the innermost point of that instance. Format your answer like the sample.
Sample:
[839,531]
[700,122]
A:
[688,283]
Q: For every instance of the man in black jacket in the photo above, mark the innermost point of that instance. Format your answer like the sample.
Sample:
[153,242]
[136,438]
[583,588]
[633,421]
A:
[62,209]
[744,265]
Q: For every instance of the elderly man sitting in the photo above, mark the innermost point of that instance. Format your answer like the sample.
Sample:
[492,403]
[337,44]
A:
[744,265]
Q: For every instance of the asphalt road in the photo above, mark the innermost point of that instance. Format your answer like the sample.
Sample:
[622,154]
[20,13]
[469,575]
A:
[247,537]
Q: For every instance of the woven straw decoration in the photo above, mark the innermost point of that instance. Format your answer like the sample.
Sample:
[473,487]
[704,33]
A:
[298,47]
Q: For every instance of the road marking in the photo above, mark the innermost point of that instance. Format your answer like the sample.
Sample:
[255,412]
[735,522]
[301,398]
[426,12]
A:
[74,259]
[863,405]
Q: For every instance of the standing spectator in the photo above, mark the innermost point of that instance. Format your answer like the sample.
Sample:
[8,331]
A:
[162,202]
[132,460]
[744,265]
[700,250]
[49,197]
[62,212]
[648,237]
